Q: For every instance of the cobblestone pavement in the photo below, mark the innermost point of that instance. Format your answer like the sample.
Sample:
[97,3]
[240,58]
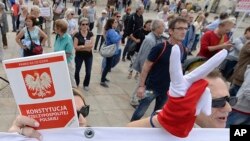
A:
[108,107]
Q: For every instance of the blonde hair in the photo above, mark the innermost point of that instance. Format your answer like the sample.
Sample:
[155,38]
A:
[35,8]
[231,20]
[69,11]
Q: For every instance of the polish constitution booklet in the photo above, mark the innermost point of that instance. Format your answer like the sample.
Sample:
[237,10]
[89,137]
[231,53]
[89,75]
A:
[42,89]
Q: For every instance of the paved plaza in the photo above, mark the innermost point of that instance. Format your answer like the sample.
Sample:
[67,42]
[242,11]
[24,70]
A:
[108,106]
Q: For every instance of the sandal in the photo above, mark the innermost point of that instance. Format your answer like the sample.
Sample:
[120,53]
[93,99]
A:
[130,75]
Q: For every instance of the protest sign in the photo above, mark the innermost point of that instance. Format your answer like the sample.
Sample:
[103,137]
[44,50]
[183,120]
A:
[45,11]
[40,91]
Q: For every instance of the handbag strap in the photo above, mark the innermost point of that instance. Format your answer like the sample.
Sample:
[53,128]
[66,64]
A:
[29,36]
[163,50]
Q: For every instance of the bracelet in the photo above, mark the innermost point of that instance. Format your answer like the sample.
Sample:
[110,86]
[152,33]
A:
[151,119]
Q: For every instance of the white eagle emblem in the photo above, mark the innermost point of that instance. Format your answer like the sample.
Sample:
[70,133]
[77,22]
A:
[38,84]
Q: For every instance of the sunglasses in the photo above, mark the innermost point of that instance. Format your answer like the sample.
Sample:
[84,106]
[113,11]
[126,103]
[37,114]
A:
[84,111]
[85,24]
[72,14]
[221,102]
[118,16]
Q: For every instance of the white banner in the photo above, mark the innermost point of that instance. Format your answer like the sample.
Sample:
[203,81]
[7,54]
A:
[243,6]
[121,134]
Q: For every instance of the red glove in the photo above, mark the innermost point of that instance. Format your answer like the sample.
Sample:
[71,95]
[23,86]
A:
[188,95]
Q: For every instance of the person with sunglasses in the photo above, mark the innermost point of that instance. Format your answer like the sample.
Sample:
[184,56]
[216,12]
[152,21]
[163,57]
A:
[72,23]
[190,98]
[83,44]
[29,131]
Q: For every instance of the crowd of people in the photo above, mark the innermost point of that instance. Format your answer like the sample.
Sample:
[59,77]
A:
[150,46]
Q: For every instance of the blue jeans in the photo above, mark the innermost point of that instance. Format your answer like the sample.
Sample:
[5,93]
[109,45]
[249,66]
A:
[88,66]
[161,98]
[237,118]
[107,68]
[234,89]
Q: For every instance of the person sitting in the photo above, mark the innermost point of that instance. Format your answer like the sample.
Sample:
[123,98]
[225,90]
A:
[25,125]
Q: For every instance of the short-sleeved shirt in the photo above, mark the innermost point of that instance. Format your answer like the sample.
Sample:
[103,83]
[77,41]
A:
[64,43]
[82,40]
[91,14]
[210,39]
[158,78]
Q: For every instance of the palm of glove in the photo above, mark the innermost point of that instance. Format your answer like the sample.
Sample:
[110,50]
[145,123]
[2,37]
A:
[188,95]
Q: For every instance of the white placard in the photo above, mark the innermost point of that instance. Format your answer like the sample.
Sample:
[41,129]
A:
[45,12]
[40,90]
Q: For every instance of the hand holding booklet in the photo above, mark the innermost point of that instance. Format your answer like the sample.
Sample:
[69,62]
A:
[40,91]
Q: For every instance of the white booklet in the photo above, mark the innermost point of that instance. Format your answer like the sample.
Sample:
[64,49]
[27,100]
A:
[42,89]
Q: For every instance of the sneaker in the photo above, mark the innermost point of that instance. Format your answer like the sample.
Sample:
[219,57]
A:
[129,75]
[86,88]
[136,76]
[105,85]
[106,80]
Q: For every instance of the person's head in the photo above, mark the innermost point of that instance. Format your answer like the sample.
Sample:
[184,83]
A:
[128,10]
[220,102]
[81,107]
[117,15]
[84,24]
[226,25]
[2,6]
[69,14]
[35,11]
[30,21]
[157,26]
[223,15]
[104,13]
[84,10]
[140,9]
[36,2]
[170,17]
[20,2]
[147,25]
[247,33]
[216,17]
[92,3]
[24,9]
[165,9]
[184,13]
[177,28]
[190,18]
[61,26]
[46,4]
[206,14]
[111,23]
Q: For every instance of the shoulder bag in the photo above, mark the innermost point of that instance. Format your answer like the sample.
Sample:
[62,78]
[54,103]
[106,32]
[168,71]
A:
[107,51]
[35,48]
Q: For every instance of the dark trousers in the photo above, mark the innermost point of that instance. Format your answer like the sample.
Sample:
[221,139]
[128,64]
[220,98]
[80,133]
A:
[107,68]
[4,38]
[91,26]
[161,99]
[234,89]
[88,66]
[14,19]
[97,41]
[125,51]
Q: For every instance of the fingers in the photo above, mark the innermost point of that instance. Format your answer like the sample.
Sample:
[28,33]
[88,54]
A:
[178,86]
[24,120]
[207,67]
[205,103]
[25,126]
[31,132]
